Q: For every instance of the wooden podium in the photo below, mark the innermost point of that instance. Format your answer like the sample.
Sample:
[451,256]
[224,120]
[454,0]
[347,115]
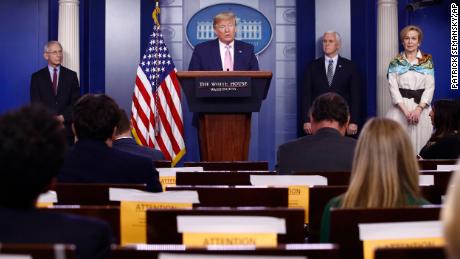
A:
[224,112]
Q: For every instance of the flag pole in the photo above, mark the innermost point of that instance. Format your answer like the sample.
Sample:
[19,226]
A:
[156,126]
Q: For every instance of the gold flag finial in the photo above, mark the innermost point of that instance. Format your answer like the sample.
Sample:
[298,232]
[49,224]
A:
[155,13]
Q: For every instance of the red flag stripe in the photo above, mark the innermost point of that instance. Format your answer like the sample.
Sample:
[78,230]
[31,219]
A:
[167,129]
[175,114]
[140,113]
[170,104]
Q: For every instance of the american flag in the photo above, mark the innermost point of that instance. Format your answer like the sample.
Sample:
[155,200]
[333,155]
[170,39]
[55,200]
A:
[156,111]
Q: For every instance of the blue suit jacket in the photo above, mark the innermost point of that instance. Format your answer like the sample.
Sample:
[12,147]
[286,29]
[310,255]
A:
[91,237]
[129,145]
[326,150]
[346,82]
[90,161]
[68,91]
[206,57]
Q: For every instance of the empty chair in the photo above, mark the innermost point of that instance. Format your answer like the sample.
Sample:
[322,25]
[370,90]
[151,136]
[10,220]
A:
[345,231]
[162,223]
[90,193]
[410,253]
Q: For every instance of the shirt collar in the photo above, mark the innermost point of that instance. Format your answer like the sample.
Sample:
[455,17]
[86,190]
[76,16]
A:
[222,45]
[418,56]
[51,68]
[335,58]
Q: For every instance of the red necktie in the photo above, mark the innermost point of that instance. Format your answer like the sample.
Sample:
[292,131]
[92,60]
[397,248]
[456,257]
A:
[55,81]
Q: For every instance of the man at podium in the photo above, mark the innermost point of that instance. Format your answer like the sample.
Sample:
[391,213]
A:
[224,53]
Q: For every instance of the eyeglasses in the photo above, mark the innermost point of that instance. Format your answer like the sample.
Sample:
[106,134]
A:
[229,26]
[56,52]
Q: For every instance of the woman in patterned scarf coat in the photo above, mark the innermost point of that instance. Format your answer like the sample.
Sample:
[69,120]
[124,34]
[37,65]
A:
[411,84]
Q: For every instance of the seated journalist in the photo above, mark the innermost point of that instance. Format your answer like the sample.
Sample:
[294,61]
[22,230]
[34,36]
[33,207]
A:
[384,175]
[328,149]
[92,159]
[125,142]
[32,148]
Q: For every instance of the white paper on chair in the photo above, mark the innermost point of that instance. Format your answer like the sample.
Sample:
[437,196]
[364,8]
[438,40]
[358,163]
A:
[49,196]
[400,230]
[203,256]
[120,194]
[230,224]
[447,167]
[173,170]
[7,256]
[426,180]
[288,180]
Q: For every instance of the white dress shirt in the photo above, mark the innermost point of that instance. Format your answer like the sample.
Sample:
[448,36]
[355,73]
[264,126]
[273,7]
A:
[222,50]
[334,64]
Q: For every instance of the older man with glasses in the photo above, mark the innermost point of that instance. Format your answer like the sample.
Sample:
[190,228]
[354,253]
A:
[55,86]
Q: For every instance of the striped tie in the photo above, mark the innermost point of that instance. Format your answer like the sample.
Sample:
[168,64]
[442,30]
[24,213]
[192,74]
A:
[330,72]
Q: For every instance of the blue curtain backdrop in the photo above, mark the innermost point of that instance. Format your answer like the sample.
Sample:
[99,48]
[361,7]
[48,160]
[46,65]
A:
[27,25]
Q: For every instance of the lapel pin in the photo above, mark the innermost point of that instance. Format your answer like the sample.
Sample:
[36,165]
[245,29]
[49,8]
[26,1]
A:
[240,51]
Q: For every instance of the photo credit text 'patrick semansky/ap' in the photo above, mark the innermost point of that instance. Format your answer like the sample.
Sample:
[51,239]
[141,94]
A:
[454,46]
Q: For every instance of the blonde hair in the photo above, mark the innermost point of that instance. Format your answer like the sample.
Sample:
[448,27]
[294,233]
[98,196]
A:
[384,171]
[408,28]
[223,16]
[449,216]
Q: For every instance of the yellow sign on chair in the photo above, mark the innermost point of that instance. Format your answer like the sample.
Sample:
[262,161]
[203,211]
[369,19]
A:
[134,203]
[202,231]
[399,234]
[371,245]
[167,181]
[298,187]
[133,219]
[46,199]
[206,239]
[299,198]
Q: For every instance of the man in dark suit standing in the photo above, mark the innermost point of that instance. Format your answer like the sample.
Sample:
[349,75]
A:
[92,159]
[32,148]
[327,149]
[124,141]
[55,86]
[333,73]
[224,53]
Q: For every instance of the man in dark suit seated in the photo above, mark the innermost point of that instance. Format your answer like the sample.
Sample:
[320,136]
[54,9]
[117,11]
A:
[32,148]
[124,141]
[92,159]
[333,73]
[327,149]
[56,86]
[224,53]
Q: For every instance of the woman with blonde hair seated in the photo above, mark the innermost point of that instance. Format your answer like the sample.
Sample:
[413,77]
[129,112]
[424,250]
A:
[384,172]
[450,218]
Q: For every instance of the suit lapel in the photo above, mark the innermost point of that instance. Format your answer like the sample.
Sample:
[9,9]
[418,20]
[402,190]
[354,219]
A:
[60,81]
[338,72]
[237,53]
[322,70]
[47,87]
[216,55]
